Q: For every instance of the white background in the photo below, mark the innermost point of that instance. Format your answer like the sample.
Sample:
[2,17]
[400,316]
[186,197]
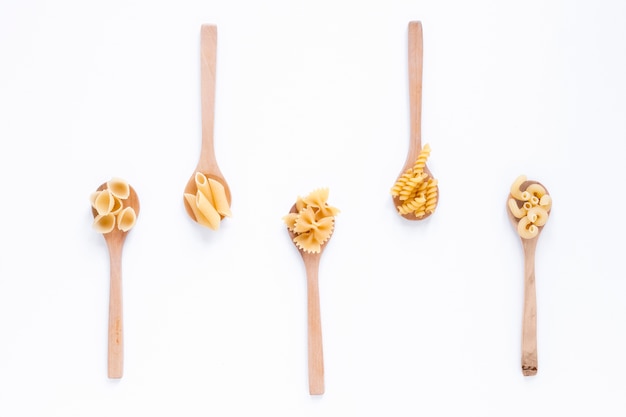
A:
[419,318]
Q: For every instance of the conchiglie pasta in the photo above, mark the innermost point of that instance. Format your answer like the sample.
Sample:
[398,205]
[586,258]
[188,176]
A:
[110,209]
[210,202]
[313,222]
[531,206]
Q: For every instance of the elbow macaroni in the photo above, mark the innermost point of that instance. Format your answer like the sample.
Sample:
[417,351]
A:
[416,189]
[530,206]
[313,222]
[109,207]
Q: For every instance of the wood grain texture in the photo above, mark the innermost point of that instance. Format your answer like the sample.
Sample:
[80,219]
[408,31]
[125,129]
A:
[314,320]
[530,363]
[416,65]
[115,243]
[207,163]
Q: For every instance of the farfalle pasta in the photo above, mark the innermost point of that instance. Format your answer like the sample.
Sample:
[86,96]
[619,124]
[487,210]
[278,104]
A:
[110,211]
[531,206]
[416,189]
[210,203]
[313,221]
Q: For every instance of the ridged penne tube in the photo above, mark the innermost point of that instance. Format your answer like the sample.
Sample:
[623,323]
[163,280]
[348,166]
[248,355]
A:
[208,211]
[516,192]
[538,215]
[526,229]
[202,184]
[119,188]
[220,202]
[103,202]
[104,223]
[200,218]
[126,219]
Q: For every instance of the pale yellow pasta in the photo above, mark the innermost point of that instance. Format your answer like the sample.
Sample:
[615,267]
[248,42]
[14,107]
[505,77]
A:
[526,229]
[203,211]
[313,222]
[537,215]
[431,196]
[516,192]
[104,223]
[109,206]
[210,202]
[517,211]
[126,219]
[220,201]
[202,184]
[103,202]
[531,206]
[119,188]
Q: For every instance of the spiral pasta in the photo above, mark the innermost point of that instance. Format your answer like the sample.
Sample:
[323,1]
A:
[531,206]
[416,189]
[109,207]
[313,222]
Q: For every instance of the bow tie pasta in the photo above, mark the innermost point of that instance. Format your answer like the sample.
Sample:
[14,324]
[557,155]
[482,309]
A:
[209,204]
[110,209]
[530,206]
[416,189]
[313,221]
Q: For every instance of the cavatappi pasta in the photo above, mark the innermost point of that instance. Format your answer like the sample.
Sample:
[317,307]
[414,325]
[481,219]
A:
[313,222]
[416,189]
[531,206]
[109,207]
[210,203]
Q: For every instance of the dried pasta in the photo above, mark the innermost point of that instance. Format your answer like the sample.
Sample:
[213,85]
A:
[109,207]
[313,222]
[531,206]
[210,203]
[416,189]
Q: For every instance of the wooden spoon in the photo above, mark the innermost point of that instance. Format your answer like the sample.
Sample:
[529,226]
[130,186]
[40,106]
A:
[207,164]
[316,354]
[529,323]
[416,50]
[115,242]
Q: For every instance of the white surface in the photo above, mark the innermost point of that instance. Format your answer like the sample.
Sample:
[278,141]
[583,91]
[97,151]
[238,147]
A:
[418,318]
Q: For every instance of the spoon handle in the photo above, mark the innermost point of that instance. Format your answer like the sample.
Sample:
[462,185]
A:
[529,325]
[208,56]
[116,328]
[316,356]
[416,49]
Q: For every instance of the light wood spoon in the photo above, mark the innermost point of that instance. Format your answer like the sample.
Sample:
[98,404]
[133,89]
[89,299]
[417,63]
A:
[314,326]
[416,50]
[115,243]
[207,164]
[529,321]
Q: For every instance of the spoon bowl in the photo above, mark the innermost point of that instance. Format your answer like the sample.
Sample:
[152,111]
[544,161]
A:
[529,323]
[207,163]
[314,323]
[415,58]
[115,242]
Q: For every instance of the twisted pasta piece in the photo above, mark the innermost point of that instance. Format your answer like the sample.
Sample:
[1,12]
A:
[416,189]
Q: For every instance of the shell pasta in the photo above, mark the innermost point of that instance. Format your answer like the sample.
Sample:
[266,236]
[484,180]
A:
[531,206]
[109,208]
[313,221]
